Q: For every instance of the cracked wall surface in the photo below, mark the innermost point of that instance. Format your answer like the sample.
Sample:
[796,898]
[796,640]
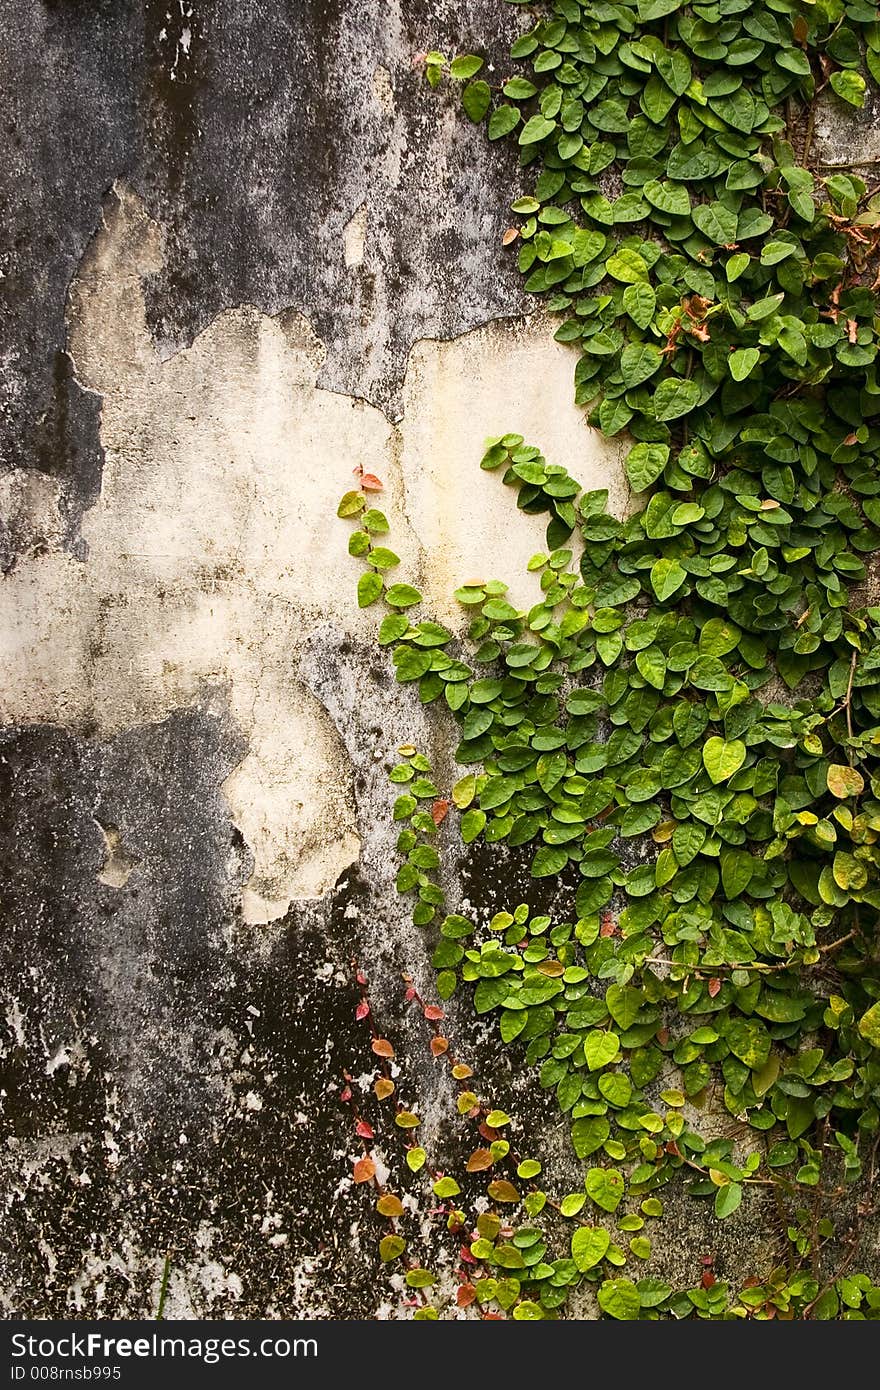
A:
[248,252]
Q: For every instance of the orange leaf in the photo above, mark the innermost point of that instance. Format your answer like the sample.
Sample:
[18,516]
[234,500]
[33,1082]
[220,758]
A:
[713,986]
[383,1087]
[439,809]
[461,1071]
[479,1160]
[370,483]
[551,968]
[799,29]
[510,235]
[466,1295]
[502,1191]
[852,330]
[382,1047]
[389,1205]
[364,1170]
[439,1046]
[433,1013]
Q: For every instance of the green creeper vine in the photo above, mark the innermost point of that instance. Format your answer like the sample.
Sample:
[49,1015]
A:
[689,719]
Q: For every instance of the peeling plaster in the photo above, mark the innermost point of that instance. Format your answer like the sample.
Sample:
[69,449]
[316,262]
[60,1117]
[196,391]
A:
[213,549]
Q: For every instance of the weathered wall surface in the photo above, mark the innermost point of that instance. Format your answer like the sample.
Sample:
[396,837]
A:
[248,251]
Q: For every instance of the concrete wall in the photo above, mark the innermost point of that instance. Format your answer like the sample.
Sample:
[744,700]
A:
[249,252]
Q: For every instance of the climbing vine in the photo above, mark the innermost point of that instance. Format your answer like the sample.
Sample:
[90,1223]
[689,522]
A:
[689,720]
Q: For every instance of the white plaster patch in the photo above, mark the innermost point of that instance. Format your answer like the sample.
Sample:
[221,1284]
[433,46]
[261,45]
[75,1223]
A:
[354,236]
[495,380]
[214,549]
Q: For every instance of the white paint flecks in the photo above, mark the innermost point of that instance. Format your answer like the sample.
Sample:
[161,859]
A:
[214,549]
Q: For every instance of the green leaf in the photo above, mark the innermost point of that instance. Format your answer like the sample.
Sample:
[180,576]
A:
[589,1134]
[645,463]
[370,586]
[627,266]
[503,120]
[351,504]
[600,1048]
[667,577]
[675,69]
[623,1004]
[674,398]
[619,1298]
[638,362]
[843,781]
[402,596]
[549,860]
[476,99]
[472,824]
[727,1199]
[869,1025]
[383,559]
[588,1246]
[672,198]
[722,759]
[411,663]
[716,222]
[640,301]
[742,362]
[535,130]
[390,1247]
[718,637]
[605,1187]
[464,66]
[851,86]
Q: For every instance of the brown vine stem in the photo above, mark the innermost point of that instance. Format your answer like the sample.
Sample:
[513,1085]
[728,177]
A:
[848,701]
[808,136]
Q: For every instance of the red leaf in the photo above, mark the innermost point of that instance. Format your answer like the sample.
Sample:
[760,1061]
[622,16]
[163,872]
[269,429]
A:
[466,1295]
[713,986]
[466,1256]
[608,927]
[410,995]
[707,1280]
[439,809]
[362,1010]
[663,1036]
[345,1093]
[433,1013]
[488,1132]
[361,978]
[363,1130]
[364,1170]
[370,483]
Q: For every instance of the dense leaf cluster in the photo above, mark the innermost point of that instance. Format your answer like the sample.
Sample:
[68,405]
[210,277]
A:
[702,678]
